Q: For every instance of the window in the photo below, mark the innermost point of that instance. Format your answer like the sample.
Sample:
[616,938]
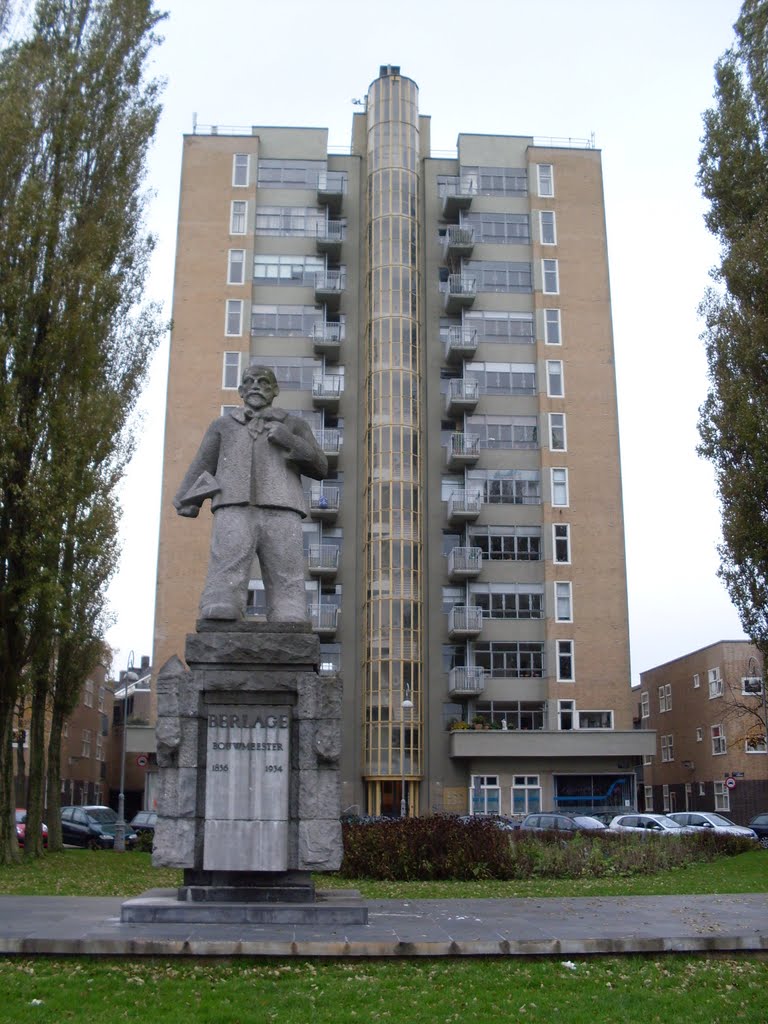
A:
[526,794]
[494,181]
[648,795]
[233,326]
[665,697]
[752,686]
[547,231]
[304,174]
[290,221]
[504,431]
[499,326]
[559,479]
[719,741]
[545,179]
[508,600]
[565,668]
[696,681]
[506,486]
[645,705]
[563,602]
[236,264]
[665,798]
[238,217]
[557,436]
[595,719]
[99,747]
[484,794]
[702,789]
[88,693]
[102,694]
[503,378]
[699,734]
[288,321]
[755,744]
[240,168]
[287,270]
[647,759]
[508,543]
[85,750]
[231,373]
[565,712]
[555,378]
[561,538]
[668,748]
[722,797]
[65,729]
[552,334]
[498,275]
[715,683]
[499,228]
[550,277]
[510,660]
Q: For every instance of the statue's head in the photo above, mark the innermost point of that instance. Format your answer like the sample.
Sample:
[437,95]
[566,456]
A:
[259,387]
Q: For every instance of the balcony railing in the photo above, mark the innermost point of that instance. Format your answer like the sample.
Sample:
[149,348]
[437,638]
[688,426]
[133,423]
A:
[458,241]
[329,285]
[465,563]
[331,188]
[460,343]
[463,395]
[331,233]
[324,502]
[324,618]
[323,560]
[464,506]
[457,195]
[330,442]
[327,337]
[461,291]
[465,621]
[463,450]
[327,389]
[466,681]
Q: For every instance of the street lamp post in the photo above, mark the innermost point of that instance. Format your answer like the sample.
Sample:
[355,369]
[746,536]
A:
[405,705]
[129,677]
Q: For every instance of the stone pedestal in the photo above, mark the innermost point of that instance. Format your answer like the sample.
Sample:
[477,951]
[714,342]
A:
[248,746]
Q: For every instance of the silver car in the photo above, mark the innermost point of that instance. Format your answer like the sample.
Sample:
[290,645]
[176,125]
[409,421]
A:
[708,819]
[649,824]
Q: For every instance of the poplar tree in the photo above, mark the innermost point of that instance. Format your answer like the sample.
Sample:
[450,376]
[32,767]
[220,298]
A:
[78,111]
[733,424]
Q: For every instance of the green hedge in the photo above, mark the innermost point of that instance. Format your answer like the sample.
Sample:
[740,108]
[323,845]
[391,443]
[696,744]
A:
[441,847]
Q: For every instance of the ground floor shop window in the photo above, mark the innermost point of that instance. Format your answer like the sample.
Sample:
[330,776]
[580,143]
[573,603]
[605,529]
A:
[582,794]
[526,794]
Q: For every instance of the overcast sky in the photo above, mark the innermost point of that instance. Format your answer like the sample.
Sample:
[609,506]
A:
[637,73]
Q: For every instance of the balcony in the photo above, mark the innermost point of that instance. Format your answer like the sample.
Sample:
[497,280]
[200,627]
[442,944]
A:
[327,337]
[459,241]
[329,285]
[331,189]
[463,450]
[465,622]
[467,681]
[327,390]
[464,507]
[324,503]
[324,619]
[460,344]
[465,563]
[330,441]
[323,561]
[329,237]
[463,395]
[457,195]
[460,292]
[546,744]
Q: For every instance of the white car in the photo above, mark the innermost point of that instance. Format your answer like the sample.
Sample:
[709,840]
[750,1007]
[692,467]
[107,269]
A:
[707,819]
[649,824]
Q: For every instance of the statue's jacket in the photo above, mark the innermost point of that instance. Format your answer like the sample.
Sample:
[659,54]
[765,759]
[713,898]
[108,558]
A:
[248,469]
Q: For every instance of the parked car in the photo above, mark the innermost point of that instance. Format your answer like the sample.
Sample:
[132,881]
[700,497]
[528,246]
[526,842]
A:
[562,823]
[605,816]
[144,821]
[759,826]
[649,824]
[92,827]
[710,820]
[497,820]
[21,827]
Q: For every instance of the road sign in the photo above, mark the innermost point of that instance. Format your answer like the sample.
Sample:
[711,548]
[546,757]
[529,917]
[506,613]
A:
[731,783]
[142,760]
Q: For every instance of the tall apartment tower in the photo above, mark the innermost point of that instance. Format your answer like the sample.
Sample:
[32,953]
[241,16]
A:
[444,326]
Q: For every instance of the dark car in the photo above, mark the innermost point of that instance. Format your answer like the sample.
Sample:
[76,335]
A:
[21,827]
[561,823]
[144,821]
[759,825]
[92,827]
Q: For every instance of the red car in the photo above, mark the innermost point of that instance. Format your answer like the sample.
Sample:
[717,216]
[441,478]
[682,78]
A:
[21,827]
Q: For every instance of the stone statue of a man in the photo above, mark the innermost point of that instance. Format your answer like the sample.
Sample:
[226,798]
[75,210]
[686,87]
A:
[250,465]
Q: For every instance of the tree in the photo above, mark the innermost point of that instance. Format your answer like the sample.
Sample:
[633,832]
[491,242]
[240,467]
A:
[77,114]
[733,424]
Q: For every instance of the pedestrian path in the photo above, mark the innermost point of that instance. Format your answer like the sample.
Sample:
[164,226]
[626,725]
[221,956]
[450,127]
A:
[60,925]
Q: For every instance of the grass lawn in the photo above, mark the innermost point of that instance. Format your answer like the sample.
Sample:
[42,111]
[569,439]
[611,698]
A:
[105,873]
[631,989]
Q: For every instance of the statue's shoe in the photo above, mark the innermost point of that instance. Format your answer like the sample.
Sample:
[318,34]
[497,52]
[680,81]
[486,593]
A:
[220,611]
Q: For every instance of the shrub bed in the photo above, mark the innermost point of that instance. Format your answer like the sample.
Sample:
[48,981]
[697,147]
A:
[442,847]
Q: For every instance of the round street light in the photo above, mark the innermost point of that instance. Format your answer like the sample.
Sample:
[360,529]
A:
[406,704]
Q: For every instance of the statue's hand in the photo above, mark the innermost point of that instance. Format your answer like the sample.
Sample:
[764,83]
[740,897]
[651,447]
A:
[279,434]
[190,511]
